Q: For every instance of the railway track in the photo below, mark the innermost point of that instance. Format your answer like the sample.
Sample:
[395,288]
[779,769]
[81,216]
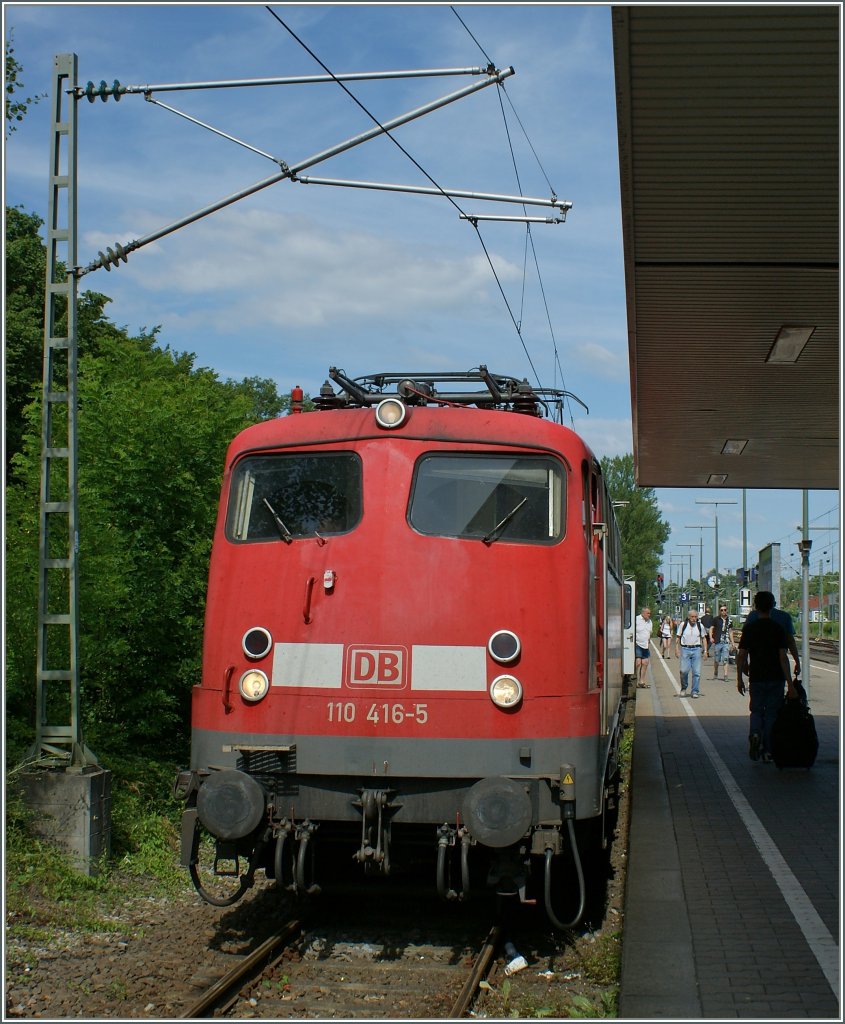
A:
[224,992]
[316,970]
[822,649]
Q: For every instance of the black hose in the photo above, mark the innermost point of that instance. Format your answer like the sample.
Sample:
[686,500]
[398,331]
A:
[310,890]
[465,866]
[218,901]
[441,870]
[278,859]
[244,882]
[563,925]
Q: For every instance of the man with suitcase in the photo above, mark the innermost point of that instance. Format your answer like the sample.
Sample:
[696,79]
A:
[762,657]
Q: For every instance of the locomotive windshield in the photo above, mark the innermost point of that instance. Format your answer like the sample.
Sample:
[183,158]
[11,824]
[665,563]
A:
[307,494]
[515,498]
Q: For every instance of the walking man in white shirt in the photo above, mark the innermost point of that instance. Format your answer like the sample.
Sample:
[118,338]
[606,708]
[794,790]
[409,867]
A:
[642,639]
[690,644]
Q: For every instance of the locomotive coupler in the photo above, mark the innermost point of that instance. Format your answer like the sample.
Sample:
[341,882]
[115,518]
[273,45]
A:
[373,804]
[508,873]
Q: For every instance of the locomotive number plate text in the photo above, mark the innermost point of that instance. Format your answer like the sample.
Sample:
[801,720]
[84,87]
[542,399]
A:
[379,714]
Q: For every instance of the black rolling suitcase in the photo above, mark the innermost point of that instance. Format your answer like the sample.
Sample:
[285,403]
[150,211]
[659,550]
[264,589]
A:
[794,740]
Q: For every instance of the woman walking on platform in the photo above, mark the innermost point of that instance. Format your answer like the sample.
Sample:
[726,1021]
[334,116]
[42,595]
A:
[666,630]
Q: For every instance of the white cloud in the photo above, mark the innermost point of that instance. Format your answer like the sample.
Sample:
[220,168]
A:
[257,270]
[606,436]
[601,360]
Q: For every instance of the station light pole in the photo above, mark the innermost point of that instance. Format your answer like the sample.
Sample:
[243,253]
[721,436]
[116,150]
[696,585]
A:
[681,566]
[689,556]
[821,595]
[804,546]
[699,527]
[716,523]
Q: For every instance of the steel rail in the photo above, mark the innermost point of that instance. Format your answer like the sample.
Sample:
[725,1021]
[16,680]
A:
[246,967]
[479,972]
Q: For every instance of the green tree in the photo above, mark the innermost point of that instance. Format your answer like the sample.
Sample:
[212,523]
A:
[25,276]
[153,430]
[641,525]
[16,109]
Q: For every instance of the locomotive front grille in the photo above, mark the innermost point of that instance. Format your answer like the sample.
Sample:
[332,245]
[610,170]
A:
[257,760]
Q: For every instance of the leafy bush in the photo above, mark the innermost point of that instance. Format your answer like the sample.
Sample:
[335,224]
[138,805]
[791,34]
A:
[44,888]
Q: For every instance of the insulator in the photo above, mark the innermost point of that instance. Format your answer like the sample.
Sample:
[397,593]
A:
[112,256]
[524,400]
[102,90]
[327,399]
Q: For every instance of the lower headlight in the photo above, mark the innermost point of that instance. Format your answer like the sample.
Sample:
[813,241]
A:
[506,691]
[253,685]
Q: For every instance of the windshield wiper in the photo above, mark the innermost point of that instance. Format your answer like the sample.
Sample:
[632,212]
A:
[284,532]
[488,538]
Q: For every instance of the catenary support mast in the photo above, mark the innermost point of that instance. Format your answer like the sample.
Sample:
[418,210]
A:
[58,734]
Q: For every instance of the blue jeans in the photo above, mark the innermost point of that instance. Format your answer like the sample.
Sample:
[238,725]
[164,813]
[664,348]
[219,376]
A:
[766,700]
[690,660]
[721,653]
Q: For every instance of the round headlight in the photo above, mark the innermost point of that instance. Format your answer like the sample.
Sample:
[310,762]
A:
[256,642]
[504,646]
[506,691]
[253,685]
[391,413]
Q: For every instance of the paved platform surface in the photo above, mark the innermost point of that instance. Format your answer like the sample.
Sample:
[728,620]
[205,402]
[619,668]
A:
[732,901]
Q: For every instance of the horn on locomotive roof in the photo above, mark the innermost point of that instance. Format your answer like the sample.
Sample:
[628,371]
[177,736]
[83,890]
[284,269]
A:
[423,388]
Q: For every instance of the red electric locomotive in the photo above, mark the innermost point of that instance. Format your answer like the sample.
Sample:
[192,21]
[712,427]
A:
[413,644]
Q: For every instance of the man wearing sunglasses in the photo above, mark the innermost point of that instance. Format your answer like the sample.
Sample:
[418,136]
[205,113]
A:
[722,638]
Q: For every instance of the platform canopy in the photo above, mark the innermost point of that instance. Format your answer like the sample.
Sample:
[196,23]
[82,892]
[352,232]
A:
[729,120]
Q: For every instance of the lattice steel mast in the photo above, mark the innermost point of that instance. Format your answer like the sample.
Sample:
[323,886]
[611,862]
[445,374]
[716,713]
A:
[58,733]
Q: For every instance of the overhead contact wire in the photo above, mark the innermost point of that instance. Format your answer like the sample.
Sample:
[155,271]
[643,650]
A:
[507,304]
[420,168]
[472,37]
[369,114]
[529,237]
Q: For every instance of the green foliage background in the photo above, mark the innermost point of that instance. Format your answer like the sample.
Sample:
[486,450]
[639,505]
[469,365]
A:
[641,525]
[153,430]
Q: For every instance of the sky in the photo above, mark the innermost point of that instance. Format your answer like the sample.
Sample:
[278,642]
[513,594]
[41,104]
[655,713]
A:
[300,277]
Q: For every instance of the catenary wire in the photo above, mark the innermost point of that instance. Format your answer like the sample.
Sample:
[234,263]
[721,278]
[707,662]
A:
[513,108]
[472,37]
[419,167]
[369,113]
[529,237]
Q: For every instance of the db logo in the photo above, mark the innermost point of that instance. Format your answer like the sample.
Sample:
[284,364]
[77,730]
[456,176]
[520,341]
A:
[376,666]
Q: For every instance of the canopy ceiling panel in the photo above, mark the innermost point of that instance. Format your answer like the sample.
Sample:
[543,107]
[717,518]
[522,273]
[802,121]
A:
[729,159]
